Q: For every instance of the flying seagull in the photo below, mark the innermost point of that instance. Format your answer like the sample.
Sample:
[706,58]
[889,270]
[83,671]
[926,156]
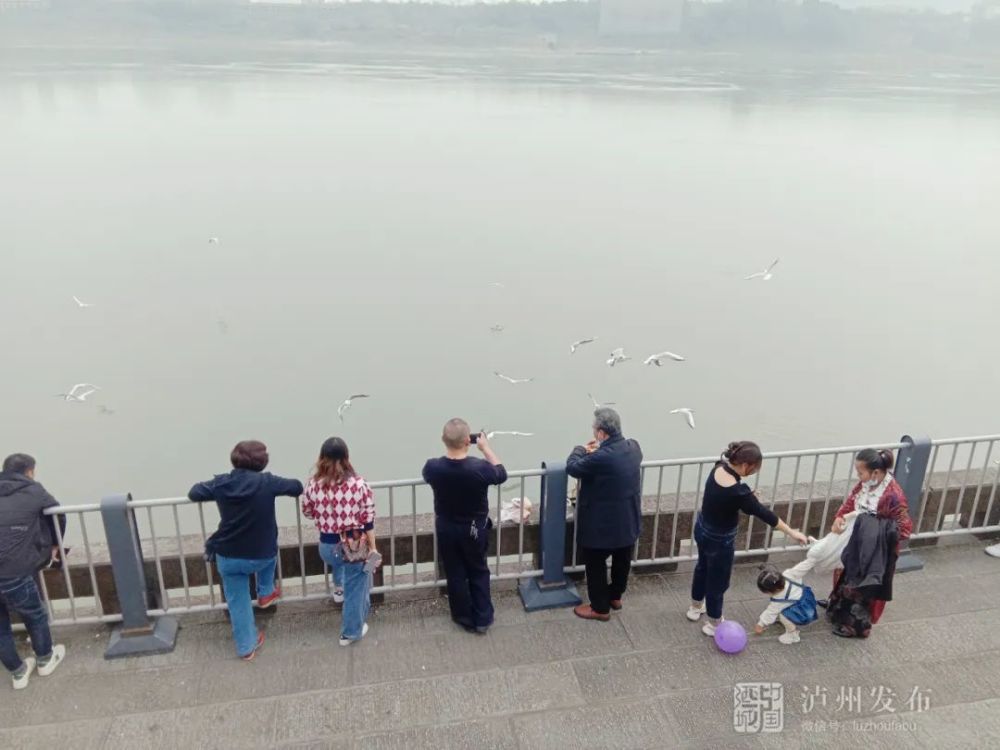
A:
[515,381]
[223,326]
[656,359]
[342,409]
[80,303]
[497,284]
[689,413]
[598,405]
[497,328]
[489,435]
[105,410]
[577,344]
[213,240]
[78,392]
[618,355]
[764,275]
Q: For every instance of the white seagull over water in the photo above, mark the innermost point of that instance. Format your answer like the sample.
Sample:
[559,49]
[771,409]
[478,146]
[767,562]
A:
[656,359]
[213,240]
[342,409]
[78,392]
[497,328]
[764,275]
[80,303]
[497,284]
[577,344]
[689,413]
[489,435]
[509,379]
[598,405]
[618,355]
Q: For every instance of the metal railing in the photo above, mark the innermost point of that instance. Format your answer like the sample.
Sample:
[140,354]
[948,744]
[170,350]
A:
[958,493]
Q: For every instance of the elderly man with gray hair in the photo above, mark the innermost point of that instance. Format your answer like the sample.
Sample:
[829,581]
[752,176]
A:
[608,511]
[462,521]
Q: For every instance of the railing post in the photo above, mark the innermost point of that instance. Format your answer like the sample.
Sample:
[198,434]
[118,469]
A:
[138,634]
[911,470]
[554,589]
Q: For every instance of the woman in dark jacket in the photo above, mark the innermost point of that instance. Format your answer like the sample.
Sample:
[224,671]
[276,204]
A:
[246,542]
[608,511]
[726,496]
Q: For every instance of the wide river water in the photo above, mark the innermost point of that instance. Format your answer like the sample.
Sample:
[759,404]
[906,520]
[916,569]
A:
[373,226]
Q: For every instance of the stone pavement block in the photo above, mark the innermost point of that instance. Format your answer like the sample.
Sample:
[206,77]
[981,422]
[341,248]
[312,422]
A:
[567,638]
[484,735]
[275,671]
[95,695]
[964,680]
[618,726]
[466,652]
[304,631]
[648,629]
[702,715]
[539,687]
[78,735]
[388,659]
[648,673]
[959,727]
[220,726]
[310,716]
[329,743]
[871,734]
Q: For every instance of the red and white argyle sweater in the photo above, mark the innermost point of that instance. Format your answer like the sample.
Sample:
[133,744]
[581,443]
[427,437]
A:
[337,508]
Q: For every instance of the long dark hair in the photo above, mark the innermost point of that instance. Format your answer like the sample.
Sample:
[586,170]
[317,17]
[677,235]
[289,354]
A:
[334,464]
[876,459]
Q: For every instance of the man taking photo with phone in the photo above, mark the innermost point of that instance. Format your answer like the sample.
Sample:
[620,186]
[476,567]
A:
[462,521]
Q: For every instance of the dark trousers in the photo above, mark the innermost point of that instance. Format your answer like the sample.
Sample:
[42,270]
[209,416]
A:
[596,561]
[463,556]
[714,568]
[21,595]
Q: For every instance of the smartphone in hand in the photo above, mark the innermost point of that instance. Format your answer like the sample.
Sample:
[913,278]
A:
[373,561]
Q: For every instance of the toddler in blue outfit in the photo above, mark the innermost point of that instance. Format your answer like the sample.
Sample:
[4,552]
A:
[792,603]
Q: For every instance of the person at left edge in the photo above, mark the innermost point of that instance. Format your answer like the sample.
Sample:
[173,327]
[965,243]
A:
[246,542]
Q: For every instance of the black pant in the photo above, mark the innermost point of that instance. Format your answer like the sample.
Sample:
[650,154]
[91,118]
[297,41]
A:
[463,556]
[596,561]
[714,568]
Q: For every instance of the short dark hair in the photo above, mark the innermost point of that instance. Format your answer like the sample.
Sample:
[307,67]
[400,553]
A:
[249,454]
[18,463]
[743,452]
[876,459]
[769,579]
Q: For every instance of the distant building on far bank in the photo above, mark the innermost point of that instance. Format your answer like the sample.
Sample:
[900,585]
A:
[641,17]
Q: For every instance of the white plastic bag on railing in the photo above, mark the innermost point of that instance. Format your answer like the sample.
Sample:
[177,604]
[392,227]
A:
[511,511]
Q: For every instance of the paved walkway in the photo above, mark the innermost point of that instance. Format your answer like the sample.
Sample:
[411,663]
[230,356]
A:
[647,679]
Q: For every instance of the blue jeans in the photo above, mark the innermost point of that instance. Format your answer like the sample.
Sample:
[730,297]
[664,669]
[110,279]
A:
[715,566]
[21,595]
[236,574]
[357,585]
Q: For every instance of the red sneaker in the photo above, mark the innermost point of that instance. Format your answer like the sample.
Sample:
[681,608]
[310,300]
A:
[585,611]
[253,654]
[263,602]
[616,604]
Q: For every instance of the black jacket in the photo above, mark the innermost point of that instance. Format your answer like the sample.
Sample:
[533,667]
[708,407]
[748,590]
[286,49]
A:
[27,535]
[869,558]
[609,504]
[247,528]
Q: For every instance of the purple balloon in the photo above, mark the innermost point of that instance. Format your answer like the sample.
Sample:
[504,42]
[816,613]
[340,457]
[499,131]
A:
[730,637]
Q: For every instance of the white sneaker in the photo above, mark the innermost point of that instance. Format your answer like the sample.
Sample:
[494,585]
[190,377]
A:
[694,613]
[993,551]
[20,683]
[709,628]
[338,596]
[58,654]
[789,638]
[349,641]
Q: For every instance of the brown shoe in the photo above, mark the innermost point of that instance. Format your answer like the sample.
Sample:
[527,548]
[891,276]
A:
[616,605]
[585,611]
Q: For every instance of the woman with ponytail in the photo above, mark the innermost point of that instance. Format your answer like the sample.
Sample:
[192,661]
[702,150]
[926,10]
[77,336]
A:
[877,493]
[726,496]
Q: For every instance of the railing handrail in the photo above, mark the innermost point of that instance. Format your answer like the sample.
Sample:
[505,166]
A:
[522,473]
